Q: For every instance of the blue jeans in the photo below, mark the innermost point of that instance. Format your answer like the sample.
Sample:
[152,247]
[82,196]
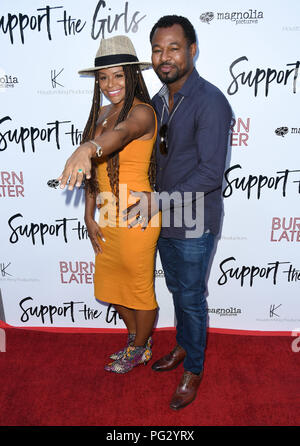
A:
[185,264]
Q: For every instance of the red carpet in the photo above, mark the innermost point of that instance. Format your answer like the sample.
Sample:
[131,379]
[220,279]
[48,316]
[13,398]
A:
[57,379]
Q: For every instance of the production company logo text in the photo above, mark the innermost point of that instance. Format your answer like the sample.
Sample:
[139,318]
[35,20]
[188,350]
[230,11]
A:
[249,17]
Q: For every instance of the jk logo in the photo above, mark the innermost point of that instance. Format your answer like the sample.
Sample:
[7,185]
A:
[54,76]
[3,269]
[272,310]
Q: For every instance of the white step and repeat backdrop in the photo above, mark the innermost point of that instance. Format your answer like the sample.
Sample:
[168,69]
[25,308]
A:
[250,50]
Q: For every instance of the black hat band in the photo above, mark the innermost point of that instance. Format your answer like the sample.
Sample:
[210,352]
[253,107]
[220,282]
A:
[115,59]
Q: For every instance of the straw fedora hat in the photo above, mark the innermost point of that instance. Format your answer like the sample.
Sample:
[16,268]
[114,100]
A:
[117,50]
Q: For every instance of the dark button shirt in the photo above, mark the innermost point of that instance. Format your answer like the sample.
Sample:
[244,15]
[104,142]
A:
[198,131]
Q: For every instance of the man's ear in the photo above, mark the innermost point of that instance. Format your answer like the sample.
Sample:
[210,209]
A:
[193,49]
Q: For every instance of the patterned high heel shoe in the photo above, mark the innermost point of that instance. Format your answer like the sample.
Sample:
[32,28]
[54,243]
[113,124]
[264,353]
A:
[130,341]
[120,353]
[132,357]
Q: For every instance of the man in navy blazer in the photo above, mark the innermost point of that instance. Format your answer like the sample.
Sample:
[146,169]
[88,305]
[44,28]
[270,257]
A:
[193,127]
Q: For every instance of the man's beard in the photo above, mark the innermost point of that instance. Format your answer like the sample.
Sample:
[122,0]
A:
[168,78]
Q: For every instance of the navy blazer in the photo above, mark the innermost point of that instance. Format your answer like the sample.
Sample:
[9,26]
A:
[198,131]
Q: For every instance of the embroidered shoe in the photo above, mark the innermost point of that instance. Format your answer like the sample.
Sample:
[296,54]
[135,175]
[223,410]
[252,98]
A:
[120,353]
[130,341]
[132,357]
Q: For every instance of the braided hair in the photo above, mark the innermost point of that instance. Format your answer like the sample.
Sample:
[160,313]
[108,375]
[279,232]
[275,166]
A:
[134,87]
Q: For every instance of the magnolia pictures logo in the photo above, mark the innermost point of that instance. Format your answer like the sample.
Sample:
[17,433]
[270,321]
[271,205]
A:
[207,17]
[229,311]
[283,131]
[7,81]
[249,17]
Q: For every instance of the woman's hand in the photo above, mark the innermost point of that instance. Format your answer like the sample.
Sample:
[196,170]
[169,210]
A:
[78,165]
[143,210]
[95,234]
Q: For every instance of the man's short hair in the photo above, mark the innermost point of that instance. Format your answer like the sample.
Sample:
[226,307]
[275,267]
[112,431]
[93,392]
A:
[169,20]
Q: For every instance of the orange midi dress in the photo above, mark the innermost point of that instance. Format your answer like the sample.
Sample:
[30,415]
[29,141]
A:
[124,271]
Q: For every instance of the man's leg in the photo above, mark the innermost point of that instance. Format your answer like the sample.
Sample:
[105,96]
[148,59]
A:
[185,263]
[192,256]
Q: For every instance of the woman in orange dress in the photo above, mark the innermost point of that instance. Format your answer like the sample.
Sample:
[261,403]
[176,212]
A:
[117,156]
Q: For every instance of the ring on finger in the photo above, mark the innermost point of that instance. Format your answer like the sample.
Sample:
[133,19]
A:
[79,170]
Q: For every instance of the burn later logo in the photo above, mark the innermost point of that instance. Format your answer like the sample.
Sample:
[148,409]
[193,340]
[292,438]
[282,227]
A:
[11,185]
[77,272]
[239,132]
[287,229]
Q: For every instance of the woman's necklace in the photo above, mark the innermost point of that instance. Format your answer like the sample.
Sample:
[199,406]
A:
[104,123]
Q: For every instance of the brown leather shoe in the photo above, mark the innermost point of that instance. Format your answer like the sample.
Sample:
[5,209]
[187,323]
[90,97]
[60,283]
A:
[170,361]
[186,391]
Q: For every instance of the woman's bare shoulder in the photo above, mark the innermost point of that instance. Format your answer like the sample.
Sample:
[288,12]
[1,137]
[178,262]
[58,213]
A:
[142,110]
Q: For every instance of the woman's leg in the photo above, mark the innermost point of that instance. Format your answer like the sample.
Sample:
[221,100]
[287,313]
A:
[144,320]
[128,316]
[138,321]
[140,350]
